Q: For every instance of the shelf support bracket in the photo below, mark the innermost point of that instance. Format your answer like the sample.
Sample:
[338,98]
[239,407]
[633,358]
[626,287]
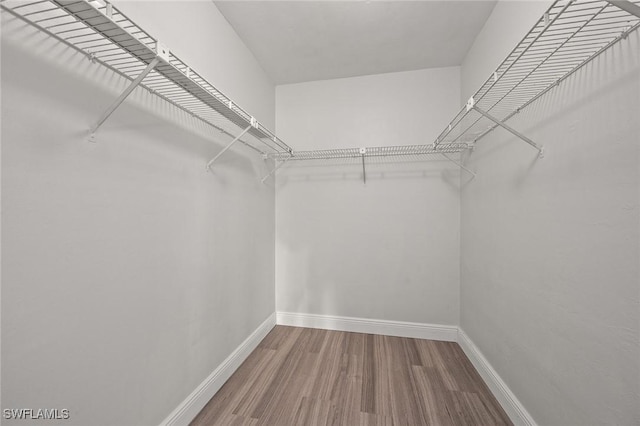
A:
[627,6]
[282,163]
[509,129]
[363,151]
[237,138]
[135,83]
[459,164]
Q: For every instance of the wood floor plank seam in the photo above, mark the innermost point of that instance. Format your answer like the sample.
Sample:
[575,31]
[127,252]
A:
[303,376]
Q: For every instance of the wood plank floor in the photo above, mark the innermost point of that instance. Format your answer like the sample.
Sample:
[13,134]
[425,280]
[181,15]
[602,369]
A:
[303,376]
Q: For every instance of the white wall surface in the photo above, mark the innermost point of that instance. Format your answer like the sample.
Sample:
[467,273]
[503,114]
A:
[200,36]
[550,281]
[129,273]
[385,250]
[507,25]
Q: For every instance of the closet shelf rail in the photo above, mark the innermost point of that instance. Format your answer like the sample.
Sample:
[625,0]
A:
[105,35]
[412,151]
[570,34]
[378,151]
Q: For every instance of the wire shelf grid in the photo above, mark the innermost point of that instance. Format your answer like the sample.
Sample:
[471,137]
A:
[103,33]
[378,151]
[569,35]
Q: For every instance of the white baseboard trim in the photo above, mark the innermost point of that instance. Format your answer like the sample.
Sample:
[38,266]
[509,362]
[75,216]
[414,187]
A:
[191,406]
[447,333]
[511,405]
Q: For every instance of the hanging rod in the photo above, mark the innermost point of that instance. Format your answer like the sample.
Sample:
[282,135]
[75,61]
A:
[570,34]
[105,35]
[377,151]
[627,6]
[415,151]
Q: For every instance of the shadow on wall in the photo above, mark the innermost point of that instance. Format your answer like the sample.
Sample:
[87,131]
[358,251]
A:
[569,95]
[95,87]
[387,249]
[374,169]
[130,234]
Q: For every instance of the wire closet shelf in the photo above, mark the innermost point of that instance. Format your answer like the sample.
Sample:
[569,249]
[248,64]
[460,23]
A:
[106,36]
[569,35]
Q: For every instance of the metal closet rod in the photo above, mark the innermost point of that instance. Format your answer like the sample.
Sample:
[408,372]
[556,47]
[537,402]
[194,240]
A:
[106,35]
[627,6]
[373,152]
[568,36]
[377,151]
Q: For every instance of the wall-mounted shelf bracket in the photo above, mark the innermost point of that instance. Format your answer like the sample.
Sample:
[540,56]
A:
[135,83]
[363,152]
[106,36]
[471,105]
[282,163]
[627,6]
[236,139]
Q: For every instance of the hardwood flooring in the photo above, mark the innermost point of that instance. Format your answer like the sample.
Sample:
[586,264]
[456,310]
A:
[303,376]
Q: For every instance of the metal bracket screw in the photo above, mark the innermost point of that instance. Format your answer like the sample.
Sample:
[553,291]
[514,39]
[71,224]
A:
[162,52]
[625,32]
[470,103]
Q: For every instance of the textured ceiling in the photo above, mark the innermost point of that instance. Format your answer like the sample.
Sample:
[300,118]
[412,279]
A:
[297,41]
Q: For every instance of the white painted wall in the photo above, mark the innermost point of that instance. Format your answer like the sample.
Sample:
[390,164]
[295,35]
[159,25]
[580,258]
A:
[201,37]
[550,282]
[385,250]
[506,26]
[129,273]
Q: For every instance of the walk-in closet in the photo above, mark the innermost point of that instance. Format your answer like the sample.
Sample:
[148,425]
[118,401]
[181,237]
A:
[320,212]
